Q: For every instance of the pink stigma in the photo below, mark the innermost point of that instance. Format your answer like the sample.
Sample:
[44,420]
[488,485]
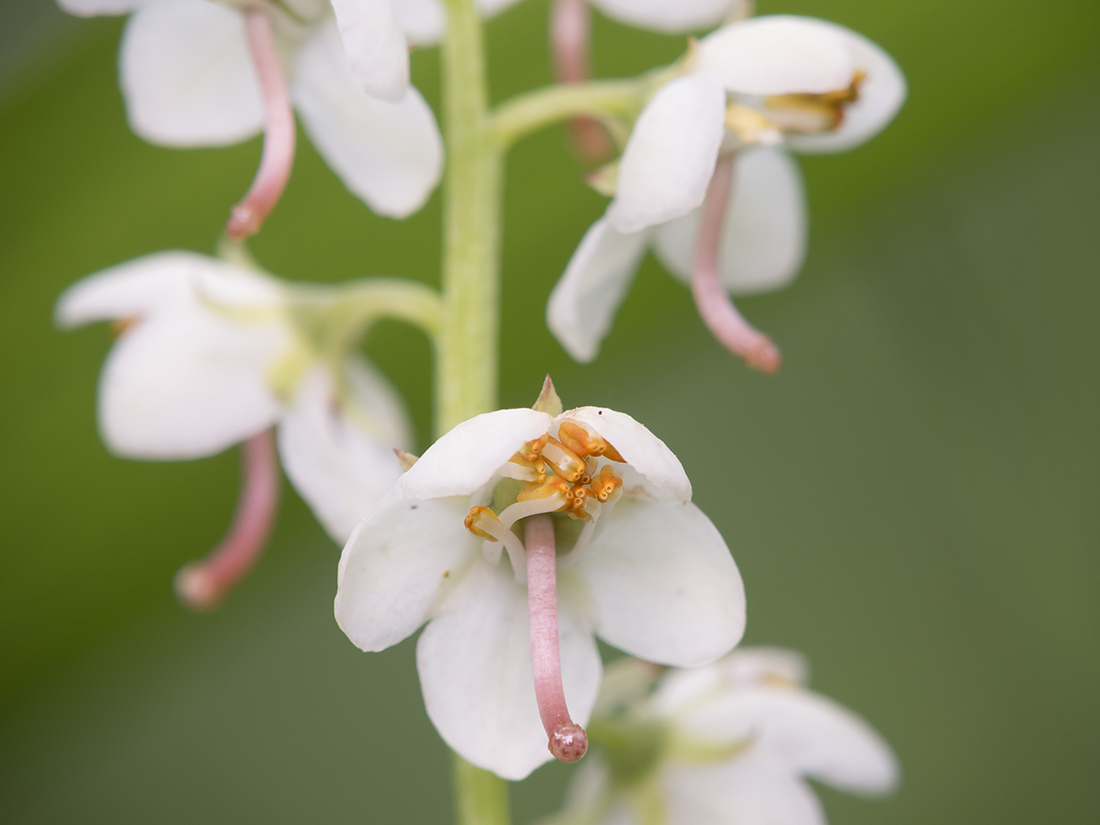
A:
[715,307]
[567,740]
[569,48]
[278,155]
[202,585]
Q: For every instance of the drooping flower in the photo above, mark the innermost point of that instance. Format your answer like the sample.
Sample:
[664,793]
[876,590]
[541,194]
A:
[730,743]
[600,536]
[749,89]
[203,73]
[210,354]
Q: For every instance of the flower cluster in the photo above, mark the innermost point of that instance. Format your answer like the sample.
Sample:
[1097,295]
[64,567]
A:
[521,535]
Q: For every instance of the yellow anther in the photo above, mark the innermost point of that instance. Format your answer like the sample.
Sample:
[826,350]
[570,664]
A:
[751,126]
[122,326]
[529,470]
[578,439]
[563,461]
[552,486]
[608,482]
[533,449]
[480,518]
[814,113]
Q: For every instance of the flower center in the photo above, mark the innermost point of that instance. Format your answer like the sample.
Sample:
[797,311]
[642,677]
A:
[794,113]
[569,474]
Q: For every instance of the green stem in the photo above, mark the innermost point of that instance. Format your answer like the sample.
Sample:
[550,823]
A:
[466,377]
[364,302]
[468,343]
[534,110]
[481,798]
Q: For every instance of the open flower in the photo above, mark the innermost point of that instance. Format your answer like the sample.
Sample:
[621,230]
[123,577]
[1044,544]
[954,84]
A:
[750,87]
[730,743]
[202,73]
[519,531]
[209,355]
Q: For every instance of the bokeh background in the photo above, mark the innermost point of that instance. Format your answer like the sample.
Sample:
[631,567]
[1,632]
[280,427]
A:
[913,501]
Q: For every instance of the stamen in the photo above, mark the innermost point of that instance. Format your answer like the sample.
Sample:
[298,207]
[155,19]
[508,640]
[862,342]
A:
[279,134]
[567,740]
[751,126]
[202,584]
[483,523]
[555,494]
[563,461]
[583,441]
[608,482]
[711,299]
[569,47]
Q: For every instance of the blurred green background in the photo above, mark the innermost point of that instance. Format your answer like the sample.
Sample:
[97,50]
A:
[913,501]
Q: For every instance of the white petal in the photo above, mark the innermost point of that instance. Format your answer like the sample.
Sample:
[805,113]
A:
[679,690]
[778,54]
[880,96]
[744,790]
[465,458]
[162,282]
[664,584]
[186,74]
[764,230]
[375,46]
[423,21]
[670,156]
[642,450]
[583,303]
[388,154]
[339,457]
[474,660]
[94,8]
[188,384]
[760,665]
[400,562]
[665,16]
[807,733]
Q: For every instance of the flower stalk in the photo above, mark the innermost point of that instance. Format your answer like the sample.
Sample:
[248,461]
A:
[468,342]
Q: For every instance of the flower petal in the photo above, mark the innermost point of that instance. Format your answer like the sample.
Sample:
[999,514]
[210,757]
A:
[642,450]
[670,156]
[186,74]
[663,16]
[745,790]
[188,384]
[764,230]
[880,96]
[388,154]
[94,8]
[465,458]
[778,54]
[338,455]
[374,46]
[583,303]
[399,563]
[664,584]
[680,690]
[474,660]
[423,21]
[805,732]
[162,282]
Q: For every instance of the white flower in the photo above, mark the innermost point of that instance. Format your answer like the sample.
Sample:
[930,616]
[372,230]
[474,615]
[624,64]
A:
[636,564]
[732,743]
[806,84]
[209,355]
[189,79]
